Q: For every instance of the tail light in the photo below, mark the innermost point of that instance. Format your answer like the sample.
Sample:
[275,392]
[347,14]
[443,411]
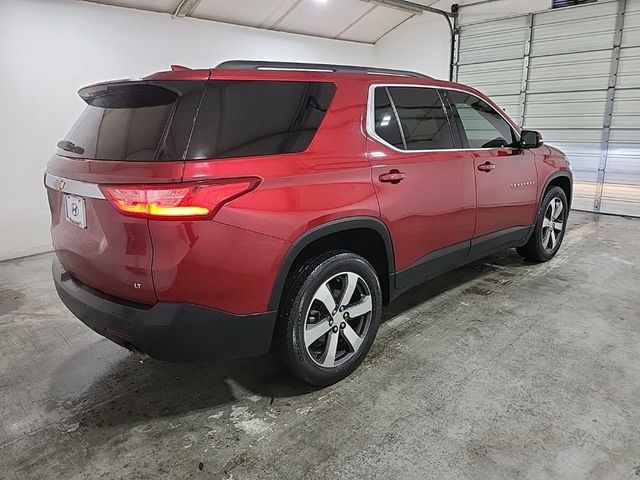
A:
[180,201]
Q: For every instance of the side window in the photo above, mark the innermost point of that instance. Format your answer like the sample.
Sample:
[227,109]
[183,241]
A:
[240,118]
[422,118]
[386,122]
[483,126]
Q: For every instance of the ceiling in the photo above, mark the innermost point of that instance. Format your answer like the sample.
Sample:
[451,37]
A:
[356,20]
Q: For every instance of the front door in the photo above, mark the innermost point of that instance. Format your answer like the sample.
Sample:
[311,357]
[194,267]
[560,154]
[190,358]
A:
[505,174]
[425,187]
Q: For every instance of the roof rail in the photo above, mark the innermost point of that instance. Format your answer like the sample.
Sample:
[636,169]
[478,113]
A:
[314,67]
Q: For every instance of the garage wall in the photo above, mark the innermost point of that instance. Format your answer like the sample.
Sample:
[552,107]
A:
[52,48]
[421,44]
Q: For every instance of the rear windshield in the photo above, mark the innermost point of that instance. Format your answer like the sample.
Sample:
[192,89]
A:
[154,121]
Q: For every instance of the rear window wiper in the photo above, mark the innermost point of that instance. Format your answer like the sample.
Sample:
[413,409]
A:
[70,147]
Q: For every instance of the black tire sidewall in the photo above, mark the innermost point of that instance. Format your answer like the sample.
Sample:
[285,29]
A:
[304,367]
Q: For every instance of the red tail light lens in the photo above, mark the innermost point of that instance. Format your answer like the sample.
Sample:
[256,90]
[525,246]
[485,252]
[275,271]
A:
[178,202]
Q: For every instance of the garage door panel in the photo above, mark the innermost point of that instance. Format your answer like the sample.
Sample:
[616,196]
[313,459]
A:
[620,199]
[493,41]
[629,139]
[500,77]
[626,110]
[576,71]
[584,194]
[490,53]
[577,29]
[623,163]
[588,106]
[631,35]
[563,121]
[487,29]
[554,136]
[629,68]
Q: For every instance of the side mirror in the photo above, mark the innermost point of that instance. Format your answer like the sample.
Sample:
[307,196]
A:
[530,139]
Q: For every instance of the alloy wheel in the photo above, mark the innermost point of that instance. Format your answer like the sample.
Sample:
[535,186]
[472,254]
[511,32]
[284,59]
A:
[552,224]
[338,319]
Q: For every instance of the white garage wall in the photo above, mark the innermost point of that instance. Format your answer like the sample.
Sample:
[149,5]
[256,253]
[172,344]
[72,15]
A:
[421,44]
[49,49]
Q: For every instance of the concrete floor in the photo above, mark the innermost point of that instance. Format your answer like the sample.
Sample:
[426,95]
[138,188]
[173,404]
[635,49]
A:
[498,370]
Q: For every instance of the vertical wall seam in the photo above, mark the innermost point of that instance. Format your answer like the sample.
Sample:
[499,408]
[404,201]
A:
[611,93]
[526,61]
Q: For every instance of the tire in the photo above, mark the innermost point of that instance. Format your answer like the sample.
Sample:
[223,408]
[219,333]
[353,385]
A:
[549,229]
[311,292]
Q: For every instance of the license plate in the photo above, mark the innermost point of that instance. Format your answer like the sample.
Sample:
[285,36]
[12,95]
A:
[75,211]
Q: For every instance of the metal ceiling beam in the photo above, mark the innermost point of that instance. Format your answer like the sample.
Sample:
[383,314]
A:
[412,7]
[185,7]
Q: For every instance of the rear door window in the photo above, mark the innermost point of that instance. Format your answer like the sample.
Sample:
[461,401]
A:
[422,117]
[482,125]
[411,118]
[248,118]
[134,121]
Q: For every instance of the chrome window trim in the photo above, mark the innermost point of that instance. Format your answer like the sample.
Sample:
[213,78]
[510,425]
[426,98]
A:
[371,127]
[73,187]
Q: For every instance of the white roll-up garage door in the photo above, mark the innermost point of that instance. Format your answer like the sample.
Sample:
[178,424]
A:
[574,74]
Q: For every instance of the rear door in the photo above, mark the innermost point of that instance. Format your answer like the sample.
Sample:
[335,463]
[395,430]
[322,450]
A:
[129,133]
[505,174]
[425,184]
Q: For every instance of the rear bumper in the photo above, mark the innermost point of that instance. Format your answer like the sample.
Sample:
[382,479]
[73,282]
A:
[173,332]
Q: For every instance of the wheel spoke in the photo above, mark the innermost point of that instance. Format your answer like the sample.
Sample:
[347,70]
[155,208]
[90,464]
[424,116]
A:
[554,206]
[329,356]
[350,284]
[352,337]
[316,330]
[553,238]
[360,308]
[546,223]
[546,237]
[325,296]
[557,226]
[557,209]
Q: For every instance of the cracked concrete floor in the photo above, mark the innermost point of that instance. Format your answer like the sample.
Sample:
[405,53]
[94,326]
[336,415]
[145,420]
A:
[498,370]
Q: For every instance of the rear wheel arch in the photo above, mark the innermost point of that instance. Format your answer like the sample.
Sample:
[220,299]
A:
[365,236]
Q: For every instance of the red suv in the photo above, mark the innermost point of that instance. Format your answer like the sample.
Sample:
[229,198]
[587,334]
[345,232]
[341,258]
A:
[206,214]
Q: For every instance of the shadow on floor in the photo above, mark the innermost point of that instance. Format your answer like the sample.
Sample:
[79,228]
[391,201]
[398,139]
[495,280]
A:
[122,390]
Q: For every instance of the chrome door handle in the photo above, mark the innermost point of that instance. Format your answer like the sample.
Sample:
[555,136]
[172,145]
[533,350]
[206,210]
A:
[486,167]
[393,176]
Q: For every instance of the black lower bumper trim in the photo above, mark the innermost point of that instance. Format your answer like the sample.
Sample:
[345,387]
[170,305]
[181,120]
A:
[173,332]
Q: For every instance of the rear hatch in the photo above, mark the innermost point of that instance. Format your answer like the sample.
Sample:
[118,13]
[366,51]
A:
[130,133]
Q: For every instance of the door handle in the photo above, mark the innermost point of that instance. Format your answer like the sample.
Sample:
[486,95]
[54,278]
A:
[393,176]
[486,167]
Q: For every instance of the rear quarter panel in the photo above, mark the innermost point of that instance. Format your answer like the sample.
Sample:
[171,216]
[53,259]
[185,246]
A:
[216,263]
